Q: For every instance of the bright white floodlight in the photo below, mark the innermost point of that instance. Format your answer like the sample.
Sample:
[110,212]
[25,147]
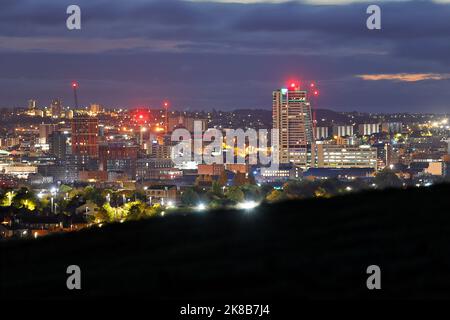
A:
[247,205]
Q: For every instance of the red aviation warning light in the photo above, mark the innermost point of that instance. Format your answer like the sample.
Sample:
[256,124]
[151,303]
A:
[75,96]
[314,90]
[141,115]
[294,85]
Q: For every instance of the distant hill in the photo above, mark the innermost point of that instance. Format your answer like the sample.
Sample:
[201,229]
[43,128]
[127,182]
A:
[330,117]
[318,248]
[325,117]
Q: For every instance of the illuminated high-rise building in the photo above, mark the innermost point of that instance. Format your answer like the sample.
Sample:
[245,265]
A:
[56,108]
[45,130]
[291,114]
[85,136]
[32,105]
[95,108]
[57,141]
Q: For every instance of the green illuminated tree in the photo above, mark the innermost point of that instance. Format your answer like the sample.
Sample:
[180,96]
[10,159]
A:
[275,195]
[24,198]
[235,194]
[94,195]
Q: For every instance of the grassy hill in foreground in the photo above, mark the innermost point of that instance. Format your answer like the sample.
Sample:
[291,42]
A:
[305,249]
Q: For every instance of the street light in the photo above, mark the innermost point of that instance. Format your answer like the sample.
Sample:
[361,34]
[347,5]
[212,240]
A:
[247,205]
[201,207]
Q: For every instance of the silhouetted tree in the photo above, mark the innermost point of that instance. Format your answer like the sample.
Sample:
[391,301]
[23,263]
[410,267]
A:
[189,197]
[387,179]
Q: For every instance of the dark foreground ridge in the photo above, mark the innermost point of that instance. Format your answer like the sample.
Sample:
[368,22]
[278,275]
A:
[305,249]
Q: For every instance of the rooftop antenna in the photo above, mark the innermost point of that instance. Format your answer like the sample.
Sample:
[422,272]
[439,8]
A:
[75,96]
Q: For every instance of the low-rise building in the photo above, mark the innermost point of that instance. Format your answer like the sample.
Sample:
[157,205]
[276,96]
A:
[163,194]
[342,156]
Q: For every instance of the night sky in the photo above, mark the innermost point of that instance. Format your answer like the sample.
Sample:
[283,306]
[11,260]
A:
[226,55]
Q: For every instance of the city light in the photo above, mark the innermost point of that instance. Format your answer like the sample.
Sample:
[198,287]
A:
[294,85]
[247,205]
[201,160]
[201,207]
[170,204]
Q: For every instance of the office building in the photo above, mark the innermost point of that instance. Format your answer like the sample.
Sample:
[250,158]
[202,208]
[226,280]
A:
[340,156]
[118,156]
[291,113]
[367,129]
[32,104]
[85,136]
[321,133]
[56,108]
[58,144]
[342,131]
[391,127]
[45,130]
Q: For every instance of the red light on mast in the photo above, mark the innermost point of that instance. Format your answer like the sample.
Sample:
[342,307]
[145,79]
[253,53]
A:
[316,93]
[74,85]
[294,85]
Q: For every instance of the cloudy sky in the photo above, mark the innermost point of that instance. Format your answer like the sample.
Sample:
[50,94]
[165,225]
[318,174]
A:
[227,54]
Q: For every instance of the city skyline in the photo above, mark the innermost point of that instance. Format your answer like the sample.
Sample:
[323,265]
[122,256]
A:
[222,158]
[214,54]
